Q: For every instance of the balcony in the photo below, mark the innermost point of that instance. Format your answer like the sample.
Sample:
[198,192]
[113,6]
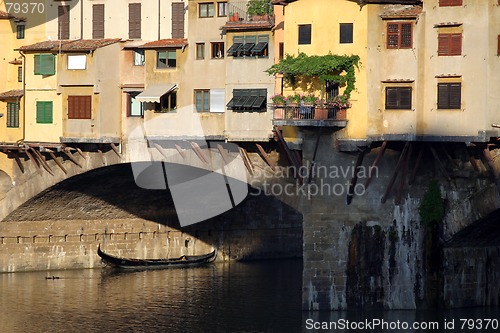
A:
[309,116]
[242,15]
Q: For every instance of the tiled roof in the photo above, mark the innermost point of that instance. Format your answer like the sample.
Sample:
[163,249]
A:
[69,45]
[4,15]
[11,94]
[173,42]
[401,12]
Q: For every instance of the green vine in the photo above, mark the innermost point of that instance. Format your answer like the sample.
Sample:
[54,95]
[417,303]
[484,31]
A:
[432,207]
[328,67]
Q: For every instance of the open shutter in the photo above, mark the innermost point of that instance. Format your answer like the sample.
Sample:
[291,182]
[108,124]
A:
[98,21]
[63,22]
[177,20]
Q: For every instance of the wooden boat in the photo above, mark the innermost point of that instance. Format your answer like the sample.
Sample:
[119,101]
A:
[183,261]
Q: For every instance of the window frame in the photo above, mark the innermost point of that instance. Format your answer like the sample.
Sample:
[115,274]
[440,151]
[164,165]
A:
[350,36]
[166,65]
[200,51]
[446,46]
[225,8]
[449,104]
[304,36]
[401,42]
[398,90]
[130,97]
[13,114]
[205,100]
[47,107]
[215,48]
[20,74]
[138,54]
[207,14]
[80,107]
[20,31]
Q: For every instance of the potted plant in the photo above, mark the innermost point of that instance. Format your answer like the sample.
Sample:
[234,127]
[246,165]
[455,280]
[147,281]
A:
[339,104]
[279,101]
[259,10]
[309,99]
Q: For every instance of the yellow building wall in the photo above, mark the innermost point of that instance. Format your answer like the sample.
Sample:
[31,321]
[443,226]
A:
[325,38]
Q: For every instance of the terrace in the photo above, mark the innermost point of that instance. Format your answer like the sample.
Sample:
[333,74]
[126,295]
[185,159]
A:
[250,15]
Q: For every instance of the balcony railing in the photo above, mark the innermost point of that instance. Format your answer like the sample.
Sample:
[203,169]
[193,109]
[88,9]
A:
[238,13]
[309,116]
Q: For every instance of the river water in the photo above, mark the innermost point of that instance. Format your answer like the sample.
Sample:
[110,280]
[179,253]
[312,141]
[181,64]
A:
[224,297]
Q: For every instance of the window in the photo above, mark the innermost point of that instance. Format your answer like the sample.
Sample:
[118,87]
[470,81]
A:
[399,35]
[217,50]
[443,3]
[249,100]
[449,95]
[281,53]
[207,9]
[166,59]
[98,21]
[449,44]
[222,9]
[202,100]
[332,89]
[304,34]
[168,103]
[346,33]
[77,61]
[45,64]
[20,31]
[236,49]
[19,74]
[79,107]
[12,114]
[44,112]
[63,22]
[249,44]
[135,108]
[398,98]
[134,20]
[200,51]
[177,19]
[261,49]
[138,57]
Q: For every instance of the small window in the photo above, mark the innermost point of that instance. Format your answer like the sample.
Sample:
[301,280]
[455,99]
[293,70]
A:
[261,49]
[206,9]
[217,50]
[139,58]
[346,33]
[449,95]
[13,114]
[20,31]
[202,100]
[449,44]
[399,35]
[45,64]
[44,112]
[166,59]
[445,3]
[398,98]
[136,108]
[77,61]
[19,74]
[168,103]
[222,9]
[79,107]
[281,53]
[304,34]
[200,51]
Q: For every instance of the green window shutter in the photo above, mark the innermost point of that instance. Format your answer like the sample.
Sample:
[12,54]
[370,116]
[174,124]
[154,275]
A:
[47,64]
[37,64]
[44,112]
[12,114]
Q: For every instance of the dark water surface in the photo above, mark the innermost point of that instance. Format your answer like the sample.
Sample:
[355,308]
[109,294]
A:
[224,297]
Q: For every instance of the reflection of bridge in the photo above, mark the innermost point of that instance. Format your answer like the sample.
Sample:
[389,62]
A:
[366,253]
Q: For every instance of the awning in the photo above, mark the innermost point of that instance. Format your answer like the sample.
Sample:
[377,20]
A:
[153,93]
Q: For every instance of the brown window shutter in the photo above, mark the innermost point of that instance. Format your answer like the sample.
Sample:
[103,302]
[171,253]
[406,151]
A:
[405,98]
[391,98]
[134,20]
[455,91]
[443,44]
[98,21]
[443,93]
[455,44]
[63,22]
[177,19]
[79,107]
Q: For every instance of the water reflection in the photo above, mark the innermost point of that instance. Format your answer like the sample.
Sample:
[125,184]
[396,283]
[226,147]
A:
[235,297]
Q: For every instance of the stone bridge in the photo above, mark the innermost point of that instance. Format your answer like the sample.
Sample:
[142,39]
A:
[353,216]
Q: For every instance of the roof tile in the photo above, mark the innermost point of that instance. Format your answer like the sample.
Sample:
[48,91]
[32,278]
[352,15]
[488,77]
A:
[11,94]
[173,42]
[69,45]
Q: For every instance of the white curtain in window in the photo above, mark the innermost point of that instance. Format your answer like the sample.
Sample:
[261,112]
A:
[217,100]
[77,61]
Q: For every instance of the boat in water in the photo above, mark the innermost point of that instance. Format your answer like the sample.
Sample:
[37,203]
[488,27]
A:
[182,261]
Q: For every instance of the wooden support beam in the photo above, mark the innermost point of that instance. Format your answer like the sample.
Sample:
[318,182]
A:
[265,156]
[34,160]
[448,156]
[101,155]
[375,163]
[199,152]
[72,158]
[18,161]
[316,146]
[79,151]
[42,161]
[402,177]
[115,149]
[438,161]
[289,155]
[246,160]
[181,151]
[54,157]
[354,179]
[395,173]
[417,164]
[493,169]
[161,150]
[223,153]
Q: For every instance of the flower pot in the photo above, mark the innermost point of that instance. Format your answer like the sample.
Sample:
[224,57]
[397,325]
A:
[320,113]
[341,114]
[279,113]
[234,17]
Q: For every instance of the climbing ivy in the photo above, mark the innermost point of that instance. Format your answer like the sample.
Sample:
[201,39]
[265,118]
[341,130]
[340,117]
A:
[328,67]
[431,208]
